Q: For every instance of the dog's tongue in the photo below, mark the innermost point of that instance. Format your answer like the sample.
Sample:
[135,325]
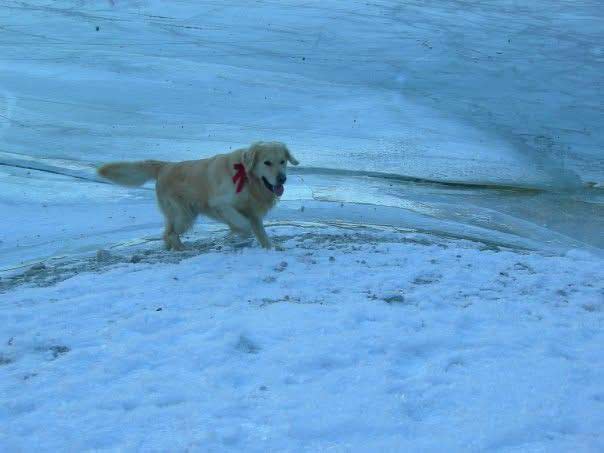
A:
[279,190]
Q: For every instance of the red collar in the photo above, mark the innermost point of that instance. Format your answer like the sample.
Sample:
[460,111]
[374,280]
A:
[240,177]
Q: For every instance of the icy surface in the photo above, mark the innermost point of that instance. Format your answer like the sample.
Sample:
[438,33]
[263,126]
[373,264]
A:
[473,92]
[349,340]
[447,90]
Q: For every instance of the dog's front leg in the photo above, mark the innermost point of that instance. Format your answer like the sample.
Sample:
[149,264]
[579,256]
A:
[234,219]
[260,232]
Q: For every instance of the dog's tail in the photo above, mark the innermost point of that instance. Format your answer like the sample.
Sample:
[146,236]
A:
[132,173]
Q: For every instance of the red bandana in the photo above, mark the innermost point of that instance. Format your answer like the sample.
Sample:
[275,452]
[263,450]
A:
[239,177]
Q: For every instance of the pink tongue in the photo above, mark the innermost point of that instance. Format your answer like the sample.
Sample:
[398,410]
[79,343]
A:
[279,190]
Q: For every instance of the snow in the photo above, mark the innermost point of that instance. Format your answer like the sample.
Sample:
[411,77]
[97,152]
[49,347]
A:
[439,285]
[351,339]
[446,92]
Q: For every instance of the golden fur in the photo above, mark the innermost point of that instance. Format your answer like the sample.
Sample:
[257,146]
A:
[187,189]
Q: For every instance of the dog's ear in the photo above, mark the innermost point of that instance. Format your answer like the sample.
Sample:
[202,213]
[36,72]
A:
[290,157]
[249,157]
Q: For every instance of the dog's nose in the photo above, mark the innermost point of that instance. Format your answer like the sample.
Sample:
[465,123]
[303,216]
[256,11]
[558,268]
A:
[281,178]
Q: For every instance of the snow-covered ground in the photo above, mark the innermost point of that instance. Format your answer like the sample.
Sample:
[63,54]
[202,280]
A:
[439,285]
[351,339]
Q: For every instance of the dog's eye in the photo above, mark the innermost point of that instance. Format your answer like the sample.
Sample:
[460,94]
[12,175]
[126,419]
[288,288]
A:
[267,163]
[282,162]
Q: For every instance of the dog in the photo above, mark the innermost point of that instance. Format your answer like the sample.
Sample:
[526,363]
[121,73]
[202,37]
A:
[238,188]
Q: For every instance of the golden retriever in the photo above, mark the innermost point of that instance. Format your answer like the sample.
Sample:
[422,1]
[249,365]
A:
[238,188]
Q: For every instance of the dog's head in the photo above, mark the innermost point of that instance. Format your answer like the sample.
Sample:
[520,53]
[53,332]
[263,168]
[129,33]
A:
[267,161]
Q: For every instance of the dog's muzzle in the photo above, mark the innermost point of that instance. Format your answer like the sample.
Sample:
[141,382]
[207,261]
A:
[278,188]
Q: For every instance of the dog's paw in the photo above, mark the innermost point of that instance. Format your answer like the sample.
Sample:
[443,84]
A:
[279,248]
[178,247]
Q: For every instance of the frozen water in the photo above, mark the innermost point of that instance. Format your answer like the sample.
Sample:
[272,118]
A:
[497,94]
[446,90]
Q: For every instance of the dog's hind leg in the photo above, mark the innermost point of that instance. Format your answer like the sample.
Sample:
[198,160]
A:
[171,239]
[179,219]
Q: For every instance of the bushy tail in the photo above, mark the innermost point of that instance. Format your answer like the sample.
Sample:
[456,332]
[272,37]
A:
[132,173]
